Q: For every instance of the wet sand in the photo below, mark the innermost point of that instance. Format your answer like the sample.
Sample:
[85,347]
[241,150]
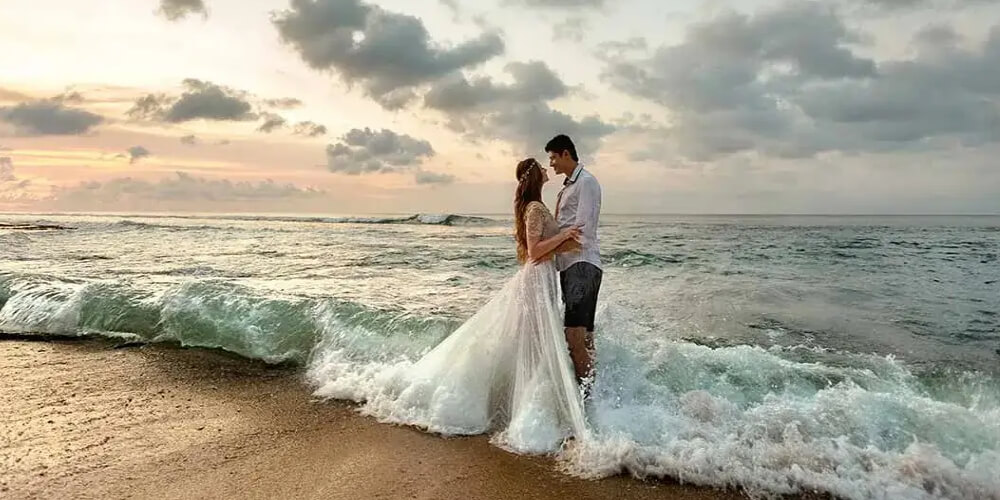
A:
[84,419]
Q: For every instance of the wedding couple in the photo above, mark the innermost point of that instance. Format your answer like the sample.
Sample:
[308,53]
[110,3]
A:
[522,366]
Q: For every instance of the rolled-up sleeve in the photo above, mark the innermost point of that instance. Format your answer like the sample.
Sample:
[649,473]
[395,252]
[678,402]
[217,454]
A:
[588,209]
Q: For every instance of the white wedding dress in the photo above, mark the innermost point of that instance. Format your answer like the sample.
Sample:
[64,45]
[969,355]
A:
[506,371]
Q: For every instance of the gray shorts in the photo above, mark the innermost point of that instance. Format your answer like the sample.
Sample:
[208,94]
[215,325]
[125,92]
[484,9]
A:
[580,283]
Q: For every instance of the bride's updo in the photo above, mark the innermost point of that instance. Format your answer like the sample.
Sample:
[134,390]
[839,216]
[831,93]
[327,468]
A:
[529,189]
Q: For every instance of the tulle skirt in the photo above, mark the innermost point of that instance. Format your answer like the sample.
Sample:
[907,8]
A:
[506,371]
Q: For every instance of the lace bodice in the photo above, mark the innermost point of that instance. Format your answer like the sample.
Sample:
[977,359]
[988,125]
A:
[539,221]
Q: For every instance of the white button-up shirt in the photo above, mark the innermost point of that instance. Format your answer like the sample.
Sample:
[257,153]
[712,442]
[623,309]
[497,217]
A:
[579,204]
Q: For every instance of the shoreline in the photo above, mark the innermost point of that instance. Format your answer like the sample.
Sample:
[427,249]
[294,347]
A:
[93,418]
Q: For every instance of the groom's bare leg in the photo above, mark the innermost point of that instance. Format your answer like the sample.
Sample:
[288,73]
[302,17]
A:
[590,375]
[591,353]
[580,284]
[581,344]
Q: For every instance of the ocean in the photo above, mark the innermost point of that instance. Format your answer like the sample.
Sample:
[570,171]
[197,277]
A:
[858,356]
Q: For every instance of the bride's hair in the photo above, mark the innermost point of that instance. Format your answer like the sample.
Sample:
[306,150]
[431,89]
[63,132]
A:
[529,189]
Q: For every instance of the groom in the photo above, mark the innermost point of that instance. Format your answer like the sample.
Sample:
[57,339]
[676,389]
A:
[578,204]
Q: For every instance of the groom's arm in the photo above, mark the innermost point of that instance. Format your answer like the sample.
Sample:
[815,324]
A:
[588,209]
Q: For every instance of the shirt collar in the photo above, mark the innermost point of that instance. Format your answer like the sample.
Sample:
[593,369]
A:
[574,176]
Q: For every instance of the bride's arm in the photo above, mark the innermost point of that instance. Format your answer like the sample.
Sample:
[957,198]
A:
[539,249]
[570,245]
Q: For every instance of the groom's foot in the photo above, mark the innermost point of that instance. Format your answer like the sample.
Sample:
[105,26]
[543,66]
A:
[569,442]
[586,385]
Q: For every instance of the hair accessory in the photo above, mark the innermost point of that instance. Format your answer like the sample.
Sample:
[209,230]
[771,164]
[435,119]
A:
[527,171]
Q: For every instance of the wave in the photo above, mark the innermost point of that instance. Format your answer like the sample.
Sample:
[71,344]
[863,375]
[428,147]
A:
[425,219]
[429,219]
[625,258]
[858,244]
[129,224]
[634,258]
[211,314]
[16,226]
[768,421]
[781,420]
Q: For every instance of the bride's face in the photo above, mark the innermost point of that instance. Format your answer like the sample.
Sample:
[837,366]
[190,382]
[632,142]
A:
[545,174]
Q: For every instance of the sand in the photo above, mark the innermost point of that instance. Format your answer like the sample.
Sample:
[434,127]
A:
[84,419]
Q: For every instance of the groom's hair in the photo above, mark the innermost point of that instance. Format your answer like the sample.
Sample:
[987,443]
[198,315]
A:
[561,143]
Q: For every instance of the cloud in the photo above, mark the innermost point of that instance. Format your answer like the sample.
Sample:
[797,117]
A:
[309,129]
[175,10]
[893,4]
[896,5]
[384,151]
[193,140]
[425,177]
[48,117]
[69,97]
[12,189]
[560,3]
[614,49]
[181,187]
[387,53]
[896,107]
[7,169]
[205,100]
[149,107]
[202,100]
[136,153]
[393,58]
[723,61]
[283,103]
[271,122]
[532,126]
[936,38]
[368,151]
[533,82]
[17,192]
[572,29]
[452,5]
[13,95]
[785,82]
[517,112]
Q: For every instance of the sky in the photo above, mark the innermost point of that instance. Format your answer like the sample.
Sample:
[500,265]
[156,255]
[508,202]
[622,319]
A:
[426,106]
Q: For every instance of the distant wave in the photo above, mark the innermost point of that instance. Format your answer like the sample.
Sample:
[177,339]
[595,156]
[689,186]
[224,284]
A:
[132,224]
[429,219]
[423,219]
[634,258]
[16,226]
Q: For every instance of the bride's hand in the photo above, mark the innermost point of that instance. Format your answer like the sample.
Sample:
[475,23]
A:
[572,233]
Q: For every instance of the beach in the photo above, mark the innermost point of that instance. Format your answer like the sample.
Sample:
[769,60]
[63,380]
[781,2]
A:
[94,418]
[728,356]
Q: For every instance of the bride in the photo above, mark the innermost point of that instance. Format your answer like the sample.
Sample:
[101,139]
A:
[507,370]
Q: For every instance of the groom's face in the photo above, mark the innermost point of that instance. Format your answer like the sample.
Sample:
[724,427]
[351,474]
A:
[560,162]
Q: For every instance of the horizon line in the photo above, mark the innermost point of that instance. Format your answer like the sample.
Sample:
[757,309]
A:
[660,214]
